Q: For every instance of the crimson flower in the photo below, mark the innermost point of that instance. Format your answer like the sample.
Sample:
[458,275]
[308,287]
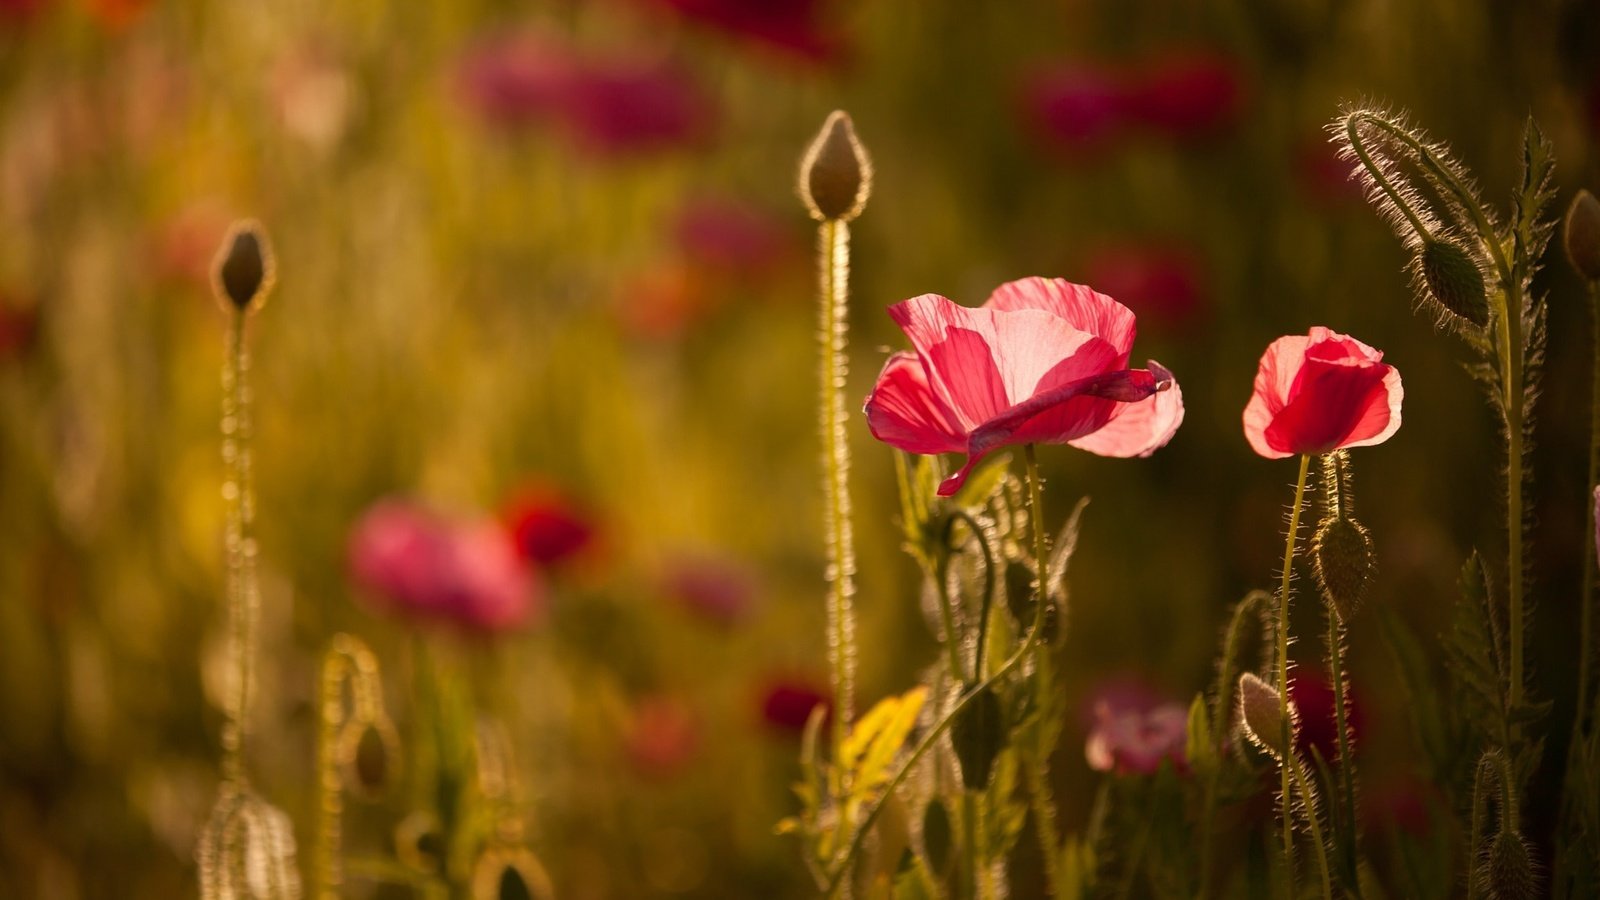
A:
[791,27]
[1317,723]
[548,527]
[786,704]
[1043,361]
[1319,393]
[1075,107]
[1188,94]
[1161,280]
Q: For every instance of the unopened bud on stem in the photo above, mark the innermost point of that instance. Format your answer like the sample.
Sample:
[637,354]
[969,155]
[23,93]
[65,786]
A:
[1262,715]
[1581,235]
[835,174]
[242,273]
[1454,280]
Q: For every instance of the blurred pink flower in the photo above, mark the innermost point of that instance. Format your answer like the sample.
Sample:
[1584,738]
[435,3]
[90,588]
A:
[1042,361]
[623,106]
[786,704]
[663,736]
[548,527]
[1131,737]
[416,563]
[516,78]
[1188,93]
[715,589]
[732,238]
[1317,726]
[20,11]
[1075,107]
[1161,281]
[792,27]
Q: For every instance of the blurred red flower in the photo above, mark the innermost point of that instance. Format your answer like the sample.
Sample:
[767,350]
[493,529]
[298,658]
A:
[1136,738]
[1191,93]
[1321,392]
[1161,281]
[663,736]
[714,589]
[1325,178]
[19,327]
[1075,107]
[516,78]
[786,704]
[1042,361]
[416,563]
[792,27]
[20,11]
[548,527]
[732,238]
[1317,728]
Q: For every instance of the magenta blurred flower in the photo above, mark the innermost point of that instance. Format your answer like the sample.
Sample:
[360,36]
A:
[786,704]
[1317,728]
[1319,392]
[792,27]
[1188,93]
[1159,280]
[714,589]
[1042,361]
[515,79]
[1075,108]
[731,238]
[548,527]
[625,106]
[663,736]
[416,563]
[1136,739]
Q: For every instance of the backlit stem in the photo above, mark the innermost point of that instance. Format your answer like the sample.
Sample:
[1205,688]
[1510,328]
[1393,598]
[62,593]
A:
[834,263]
[1287,737]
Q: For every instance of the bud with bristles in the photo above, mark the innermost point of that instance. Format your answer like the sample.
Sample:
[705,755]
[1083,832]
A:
[937,836]
[835,174]
[243,271]
[1343,560]
[1454,279]
[1509,870]
[1261,714]
[978,734]
[1581,235]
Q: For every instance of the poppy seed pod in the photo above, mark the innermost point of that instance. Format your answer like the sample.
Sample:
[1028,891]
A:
[1261,714]
[836,173]
[1343,561]
[243,271]
[1580,234]
[1454,280]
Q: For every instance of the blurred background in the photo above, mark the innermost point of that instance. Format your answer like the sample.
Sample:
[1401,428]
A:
[543,281]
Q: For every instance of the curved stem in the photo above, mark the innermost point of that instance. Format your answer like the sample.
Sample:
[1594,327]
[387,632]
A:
[1354,135]
[834,263]
[982,538]
[1586,609]
[1316,826]
[1287,737]
[1041,555]
[952,643]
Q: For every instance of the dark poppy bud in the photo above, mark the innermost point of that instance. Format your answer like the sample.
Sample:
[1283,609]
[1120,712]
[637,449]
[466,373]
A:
[835,174]
[369,752]
[243,271]
[978,734]
[937,836]
[1454,280]
[1581,235]
[1343,561]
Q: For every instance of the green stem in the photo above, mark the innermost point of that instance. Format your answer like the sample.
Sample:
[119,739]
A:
[834,263]
[979,535]
[952,642]
[243,596]
[1044,819]
[1586,608]
[1382,180]
[1041,555]
[1317,841]
[1287,738]
[1223,707]
[1347,778]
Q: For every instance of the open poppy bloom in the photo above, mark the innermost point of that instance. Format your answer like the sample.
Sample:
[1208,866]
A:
[1042,361]
[1321,392]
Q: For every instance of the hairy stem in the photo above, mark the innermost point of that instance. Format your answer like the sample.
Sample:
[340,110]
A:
[1282,660]
[1382,179]
[1347,775]
[833,257]
[1309,800]
[952,642]
[242,592]
[1044,821]
[1586,608]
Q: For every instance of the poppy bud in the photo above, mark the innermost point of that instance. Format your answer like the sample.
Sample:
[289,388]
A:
[835,174]
[1510,871]
[242,273]
[1343,560]
[1581,235]
[1262,715]
[936,836]
[369,752]
[1454,280]
[978,735]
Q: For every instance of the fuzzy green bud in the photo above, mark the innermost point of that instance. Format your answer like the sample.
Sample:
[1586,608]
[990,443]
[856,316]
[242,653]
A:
[1454,280]
[978,735]
[1343,561]
[243,270]
[835,173]
[1580,234]
[1509,869]
[1261,715]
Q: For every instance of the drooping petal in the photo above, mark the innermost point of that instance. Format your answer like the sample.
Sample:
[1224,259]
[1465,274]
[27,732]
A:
[1139,428]
[1083,307]
[903,411]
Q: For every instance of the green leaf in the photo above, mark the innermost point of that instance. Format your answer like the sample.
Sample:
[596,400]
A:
[1200,745]
[876,738]
[1534,193]
[1474,658]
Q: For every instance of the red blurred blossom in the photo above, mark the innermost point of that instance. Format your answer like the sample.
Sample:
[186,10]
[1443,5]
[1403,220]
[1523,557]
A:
[1316,725]
[1043,361]
[1406,804]
[1137,739]
[663,736]
[786,704]
[19,328]
[1159,280]
[1323,176]
[1190,93]
[732,238]
[516,78]
[715,589]
[548,527]
[663,302]
[1075,107]
[794,28]
[467,573]
[116,15]
[1321,392]
[19,11]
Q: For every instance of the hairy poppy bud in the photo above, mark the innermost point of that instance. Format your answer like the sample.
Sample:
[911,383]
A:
[1581,235]
[369,753]
[978,734]
[936,836]
[243,271]
[1509,870]
[1343,560]
[1454,280]
[1261,714]
[835,174]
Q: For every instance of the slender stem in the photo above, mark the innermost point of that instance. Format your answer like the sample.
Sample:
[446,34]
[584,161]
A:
[1044,820]
[952,641]
[1287,737]
[1586,608]
[979,535]
[1316,826]
[241,590]
[1382,180]
[1347,776]
[834,261]
[1509,332]
[330,804]
[1041,554]
[1223,706]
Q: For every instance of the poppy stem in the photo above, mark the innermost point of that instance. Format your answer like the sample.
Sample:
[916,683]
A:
[1287,738]
[1586,608]
[1345,826]
[240,589]
[1044,814]
[833,257]
[1309,801]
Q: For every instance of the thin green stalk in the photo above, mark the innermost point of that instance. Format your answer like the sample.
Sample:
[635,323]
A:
[834,262]
[1316,826]
[984,609]
[241,591]
[1222,707]
[1044,819]
[1039,784]
[952,643]
[1586,608]
[1041,555]
[1283,663]
[1509,331]
[1382,180]
[1347,778]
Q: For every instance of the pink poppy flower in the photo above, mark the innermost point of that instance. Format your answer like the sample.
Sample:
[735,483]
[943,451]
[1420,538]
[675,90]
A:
[1188,94]
[791,27]
[1317,726]
[628,106]
[1075,108]
[548,527]
[1137,740]
[419,564]
[1043,361]
[1321,392]
[786,704]
[515,79]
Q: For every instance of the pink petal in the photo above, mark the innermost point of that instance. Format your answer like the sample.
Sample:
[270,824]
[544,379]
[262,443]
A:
[1381,420]
[1139,428]
[1083,307]
[1279,366]
[904,412]
[1329,401]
